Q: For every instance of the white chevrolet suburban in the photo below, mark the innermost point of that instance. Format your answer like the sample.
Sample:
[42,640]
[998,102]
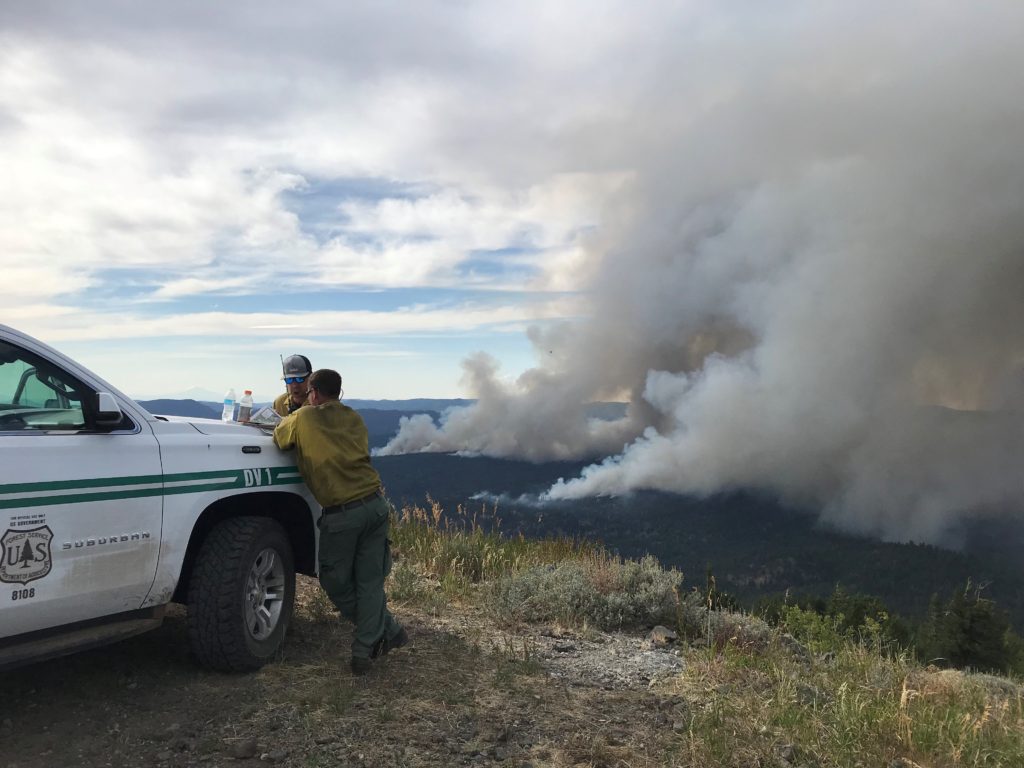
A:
[109,513]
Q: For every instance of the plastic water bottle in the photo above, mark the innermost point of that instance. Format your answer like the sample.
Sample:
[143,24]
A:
[228,413]
[245,406]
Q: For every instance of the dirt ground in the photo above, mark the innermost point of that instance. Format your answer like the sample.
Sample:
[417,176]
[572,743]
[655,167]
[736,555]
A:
[461,693]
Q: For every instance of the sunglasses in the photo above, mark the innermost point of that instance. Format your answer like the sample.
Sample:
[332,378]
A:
[294,379]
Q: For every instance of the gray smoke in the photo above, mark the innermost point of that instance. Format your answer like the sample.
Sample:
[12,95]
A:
[812,285]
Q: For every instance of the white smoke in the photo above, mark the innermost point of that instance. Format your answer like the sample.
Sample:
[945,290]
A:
[543,419]
[813,284]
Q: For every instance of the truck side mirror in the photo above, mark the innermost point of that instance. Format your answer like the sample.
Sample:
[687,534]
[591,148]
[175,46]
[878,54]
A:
[108,412]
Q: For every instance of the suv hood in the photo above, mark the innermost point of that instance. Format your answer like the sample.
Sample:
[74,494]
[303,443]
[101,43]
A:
[217,427]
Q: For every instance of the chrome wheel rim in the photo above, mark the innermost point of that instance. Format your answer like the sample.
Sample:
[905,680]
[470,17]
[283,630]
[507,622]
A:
[264,594]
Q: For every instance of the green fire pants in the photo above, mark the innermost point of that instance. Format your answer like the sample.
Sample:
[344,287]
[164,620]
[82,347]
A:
[355,558]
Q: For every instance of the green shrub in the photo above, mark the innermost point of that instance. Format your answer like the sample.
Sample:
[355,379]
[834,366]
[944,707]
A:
[821,634]
[600,592]
[405,583]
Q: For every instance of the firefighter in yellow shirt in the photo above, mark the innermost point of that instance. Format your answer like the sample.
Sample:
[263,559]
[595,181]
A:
[333,455]
[296,371]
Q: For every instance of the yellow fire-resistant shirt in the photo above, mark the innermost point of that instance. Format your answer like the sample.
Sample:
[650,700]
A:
[333,451]
[283,405]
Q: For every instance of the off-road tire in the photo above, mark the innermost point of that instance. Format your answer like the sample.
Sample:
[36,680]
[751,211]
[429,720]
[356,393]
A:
[220,599]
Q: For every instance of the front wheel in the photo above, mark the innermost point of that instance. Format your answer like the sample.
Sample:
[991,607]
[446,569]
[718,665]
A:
[241,594]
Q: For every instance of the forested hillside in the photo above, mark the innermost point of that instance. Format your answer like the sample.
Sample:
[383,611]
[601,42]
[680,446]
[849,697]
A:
[754,546]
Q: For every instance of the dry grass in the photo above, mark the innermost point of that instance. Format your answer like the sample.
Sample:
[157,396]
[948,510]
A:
[468,548]
[858,708]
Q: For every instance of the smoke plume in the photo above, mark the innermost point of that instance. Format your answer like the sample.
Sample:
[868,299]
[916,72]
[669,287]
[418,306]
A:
[812,283]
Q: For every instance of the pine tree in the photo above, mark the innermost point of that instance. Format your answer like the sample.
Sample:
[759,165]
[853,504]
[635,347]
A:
[969,631]
[929,645]
[26,558]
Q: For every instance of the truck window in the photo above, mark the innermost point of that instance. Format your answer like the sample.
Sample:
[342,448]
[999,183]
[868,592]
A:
[36,396]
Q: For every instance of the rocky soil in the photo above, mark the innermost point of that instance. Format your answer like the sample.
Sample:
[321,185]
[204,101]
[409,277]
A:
[462,693]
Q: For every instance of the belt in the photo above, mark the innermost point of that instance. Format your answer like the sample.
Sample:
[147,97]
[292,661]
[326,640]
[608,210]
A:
[354,503]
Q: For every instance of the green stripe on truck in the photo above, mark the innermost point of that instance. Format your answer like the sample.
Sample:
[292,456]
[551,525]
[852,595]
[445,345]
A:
[91,489]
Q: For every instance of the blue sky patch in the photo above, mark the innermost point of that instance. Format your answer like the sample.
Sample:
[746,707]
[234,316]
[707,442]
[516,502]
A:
[317,203]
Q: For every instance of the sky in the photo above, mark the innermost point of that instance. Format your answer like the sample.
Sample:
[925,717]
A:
[192,191]
[790,236]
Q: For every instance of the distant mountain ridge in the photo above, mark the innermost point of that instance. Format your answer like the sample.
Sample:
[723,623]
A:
[414,405]
[382,417]
[192,407]
[169,407]
[381,423]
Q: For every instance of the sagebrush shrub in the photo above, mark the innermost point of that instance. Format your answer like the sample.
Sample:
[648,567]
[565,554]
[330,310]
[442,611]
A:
[603,593]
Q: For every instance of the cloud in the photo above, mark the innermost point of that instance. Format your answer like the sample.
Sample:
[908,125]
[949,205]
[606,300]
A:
[183,170]
[99,326]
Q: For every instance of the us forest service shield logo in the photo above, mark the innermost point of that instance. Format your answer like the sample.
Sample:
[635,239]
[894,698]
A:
[25,555]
